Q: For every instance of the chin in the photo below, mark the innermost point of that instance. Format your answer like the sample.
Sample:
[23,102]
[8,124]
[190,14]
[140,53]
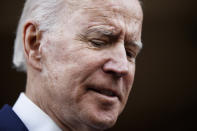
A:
[105,124]
[98,111]
[102,125]
[101,121]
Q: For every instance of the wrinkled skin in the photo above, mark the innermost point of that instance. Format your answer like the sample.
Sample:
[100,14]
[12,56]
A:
[95,49]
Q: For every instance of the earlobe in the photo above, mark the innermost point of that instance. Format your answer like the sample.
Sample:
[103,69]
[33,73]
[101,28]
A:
[31,41]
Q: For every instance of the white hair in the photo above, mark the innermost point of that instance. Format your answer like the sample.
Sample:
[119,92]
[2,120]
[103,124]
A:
[44,13]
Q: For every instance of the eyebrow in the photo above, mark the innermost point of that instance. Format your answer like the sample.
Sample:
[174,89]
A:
[110,33]
[102,31]
[98,32]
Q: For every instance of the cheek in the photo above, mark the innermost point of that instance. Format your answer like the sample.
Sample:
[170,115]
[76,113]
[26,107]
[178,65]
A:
[128,83]
[69,67]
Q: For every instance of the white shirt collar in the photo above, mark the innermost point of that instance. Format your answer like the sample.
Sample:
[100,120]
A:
[32,116]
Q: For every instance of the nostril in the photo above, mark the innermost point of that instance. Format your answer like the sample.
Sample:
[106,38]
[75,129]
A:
[117,75]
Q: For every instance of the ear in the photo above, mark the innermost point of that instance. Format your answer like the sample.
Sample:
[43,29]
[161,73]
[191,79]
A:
[31,41]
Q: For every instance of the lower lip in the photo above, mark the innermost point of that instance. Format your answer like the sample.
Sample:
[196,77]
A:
[104,97]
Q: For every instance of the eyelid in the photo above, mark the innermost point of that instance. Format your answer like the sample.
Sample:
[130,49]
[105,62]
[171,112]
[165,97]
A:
[98,43]
[132,53]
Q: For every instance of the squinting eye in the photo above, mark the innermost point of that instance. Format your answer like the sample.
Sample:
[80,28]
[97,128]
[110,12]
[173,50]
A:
[98,43]
[130,55]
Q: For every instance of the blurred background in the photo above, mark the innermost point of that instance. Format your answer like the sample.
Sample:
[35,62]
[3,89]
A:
[164,95]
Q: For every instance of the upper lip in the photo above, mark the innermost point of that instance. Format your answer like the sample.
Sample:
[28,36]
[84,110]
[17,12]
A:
[114,91]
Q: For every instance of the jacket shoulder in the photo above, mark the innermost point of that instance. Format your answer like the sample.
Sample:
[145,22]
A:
[9,121]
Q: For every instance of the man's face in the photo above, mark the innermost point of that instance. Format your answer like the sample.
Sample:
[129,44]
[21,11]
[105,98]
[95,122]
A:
[89,63]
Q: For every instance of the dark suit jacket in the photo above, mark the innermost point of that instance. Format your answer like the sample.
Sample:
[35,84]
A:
[9,121]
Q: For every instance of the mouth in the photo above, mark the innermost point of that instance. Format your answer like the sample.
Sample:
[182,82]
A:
[104,91]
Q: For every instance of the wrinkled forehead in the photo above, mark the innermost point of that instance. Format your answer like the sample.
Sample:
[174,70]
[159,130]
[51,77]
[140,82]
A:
[105,10]
[129,9]
[111,12]
[121,16]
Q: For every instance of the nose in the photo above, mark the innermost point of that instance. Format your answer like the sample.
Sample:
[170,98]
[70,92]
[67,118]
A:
[117,63]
